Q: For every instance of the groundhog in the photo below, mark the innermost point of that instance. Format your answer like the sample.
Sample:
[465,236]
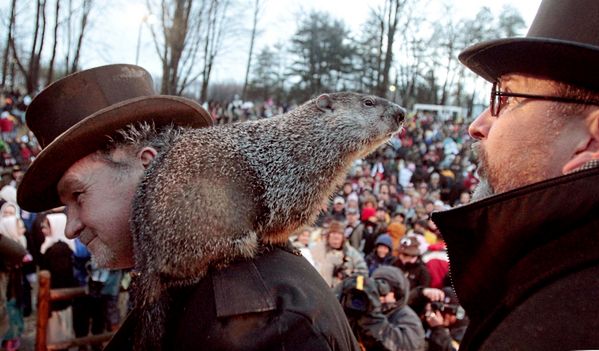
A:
[217,194]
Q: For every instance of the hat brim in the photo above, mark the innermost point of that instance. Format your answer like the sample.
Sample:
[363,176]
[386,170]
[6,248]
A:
[554,59]
[37,191]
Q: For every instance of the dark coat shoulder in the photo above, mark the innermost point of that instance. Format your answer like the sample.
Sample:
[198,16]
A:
[277,301]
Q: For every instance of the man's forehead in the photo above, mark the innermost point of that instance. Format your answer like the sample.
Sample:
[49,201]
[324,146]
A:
[75,175]
[68,181]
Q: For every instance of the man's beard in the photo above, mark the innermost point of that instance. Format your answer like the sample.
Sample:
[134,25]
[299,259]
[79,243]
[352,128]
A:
[102,255]
[484,188]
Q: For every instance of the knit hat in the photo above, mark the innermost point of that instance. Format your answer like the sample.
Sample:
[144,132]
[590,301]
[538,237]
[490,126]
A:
[409,246]
[396,230]
[384,239]
[367,213]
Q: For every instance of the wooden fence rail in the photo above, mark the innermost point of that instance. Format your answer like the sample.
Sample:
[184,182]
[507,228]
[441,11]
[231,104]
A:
[45,297]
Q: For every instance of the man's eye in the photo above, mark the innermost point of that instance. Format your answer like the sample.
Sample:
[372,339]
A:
[77,196]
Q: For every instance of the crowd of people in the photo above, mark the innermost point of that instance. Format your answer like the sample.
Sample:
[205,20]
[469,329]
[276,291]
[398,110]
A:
[380,217]
[41,236]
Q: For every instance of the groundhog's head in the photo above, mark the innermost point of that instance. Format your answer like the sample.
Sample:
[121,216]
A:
[363,121]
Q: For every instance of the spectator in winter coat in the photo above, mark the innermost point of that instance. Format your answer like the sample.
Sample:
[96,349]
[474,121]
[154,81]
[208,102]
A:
[446,321]
[391,324]
[354,230]
[410,262]
[382,254]
[335,259]
[338,210]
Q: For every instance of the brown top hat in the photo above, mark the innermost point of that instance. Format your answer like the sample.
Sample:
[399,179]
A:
[74,116]
[562,44]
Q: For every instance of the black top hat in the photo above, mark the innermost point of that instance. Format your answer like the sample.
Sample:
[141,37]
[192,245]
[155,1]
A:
[562,44]
[73,117]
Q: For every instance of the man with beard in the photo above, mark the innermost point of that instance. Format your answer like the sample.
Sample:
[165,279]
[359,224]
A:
[524,255]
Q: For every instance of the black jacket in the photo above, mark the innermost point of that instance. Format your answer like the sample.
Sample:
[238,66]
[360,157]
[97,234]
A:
[276,301]
[525,265]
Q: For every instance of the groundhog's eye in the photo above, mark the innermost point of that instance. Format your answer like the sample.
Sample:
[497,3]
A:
[369,102]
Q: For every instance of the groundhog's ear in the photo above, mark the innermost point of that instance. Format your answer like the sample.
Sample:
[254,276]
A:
[324,103]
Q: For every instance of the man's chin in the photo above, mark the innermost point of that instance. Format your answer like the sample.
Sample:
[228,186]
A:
[482,190]
[103,257]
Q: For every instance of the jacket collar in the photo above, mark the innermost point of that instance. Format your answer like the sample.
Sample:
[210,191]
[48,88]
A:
[490,242]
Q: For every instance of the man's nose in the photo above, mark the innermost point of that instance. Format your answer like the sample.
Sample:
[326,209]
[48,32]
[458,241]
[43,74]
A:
[74,225]
[479,128]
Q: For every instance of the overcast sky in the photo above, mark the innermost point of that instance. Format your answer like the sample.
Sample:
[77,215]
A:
[115,28]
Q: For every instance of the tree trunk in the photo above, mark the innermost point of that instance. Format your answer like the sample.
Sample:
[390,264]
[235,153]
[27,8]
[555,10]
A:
[36,67]
[393,19]
[249,64]
[50,76]
[6,55]
[69,37]
[217,12]
[30,74]
[87,6]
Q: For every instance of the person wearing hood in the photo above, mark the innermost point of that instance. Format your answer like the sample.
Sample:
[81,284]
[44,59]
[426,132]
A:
[57,258]
[382,254]
[390,324]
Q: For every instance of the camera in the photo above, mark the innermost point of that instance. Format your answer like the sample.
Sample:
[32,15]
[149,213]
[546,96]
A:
[355,299]
[444,308]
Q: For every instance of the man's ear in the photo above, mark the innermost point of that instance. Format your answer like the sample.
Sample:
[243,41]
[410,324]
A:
[146,155]
[588,149]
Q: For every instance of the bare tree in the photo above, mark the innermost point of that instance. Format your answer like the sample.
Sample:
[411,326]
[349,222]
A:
[50,75]
[86,8]
[387,20]
[174,16]
[30,69]
[217,23]
[177,40]
[257,10]
[76,14]
[9,40]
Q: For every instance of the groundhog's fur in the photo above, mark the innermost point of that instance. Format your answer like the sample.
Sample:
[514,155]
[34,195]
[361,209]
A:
[218,192]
